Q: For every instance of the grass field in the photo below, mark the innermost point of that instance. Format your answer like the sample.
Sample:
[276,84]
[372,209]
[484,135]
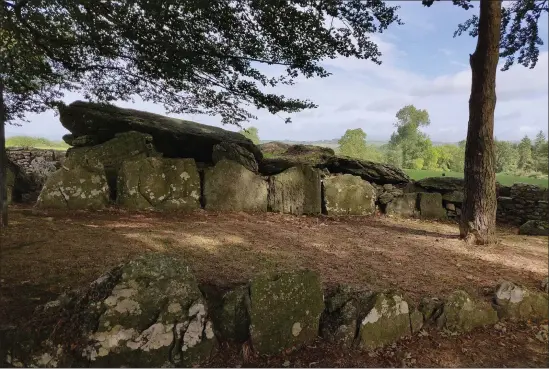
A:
[504,179]
[36,142]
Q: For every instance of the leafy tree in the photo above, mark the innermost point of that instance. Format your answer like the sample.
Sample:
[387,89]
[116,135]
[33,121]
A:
[191,56]
[353,143]
[252,134]
[525,160]
[506,32]
[431,157]
[411,141]
[507,156]
[540,153]
[393,155]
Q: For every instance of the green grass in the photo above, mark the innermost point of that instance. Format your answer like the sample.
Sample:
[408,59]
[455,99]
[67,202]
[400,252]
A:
[504,179]
[35,142]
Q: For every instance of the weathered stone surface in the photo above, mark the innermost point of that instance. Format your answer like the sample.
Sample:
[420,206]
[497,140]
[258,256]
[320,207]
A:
[174,138]
[431,308]
[367,170]
[159,183]
[124,146]
[535,228]
[228,186]
[441,184]
[532,192]
[387,320]
[416,320]
[349,195]
[388,195]
[75,187]
[454,196]
[274,147]
[231,315]
[404,206]
[296,191]
[345,309]
[234,152]
[518,303]
[462,314]
[10,183]
[430,206]
[285,311]
[545,284]
[148,312]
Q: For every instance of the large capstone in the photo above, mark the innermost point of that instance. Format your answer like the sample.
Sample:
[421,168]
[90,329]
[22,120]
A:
[441,184]
[519,303]
[285,311]
[296,191]
[535,228]
[403,206]
[111,154]
[349,195]
[430,206]
[387,320]
[77,186]
[174,138]
[159,183]
[148,312]
[229,186]
[234,152]
[462,314]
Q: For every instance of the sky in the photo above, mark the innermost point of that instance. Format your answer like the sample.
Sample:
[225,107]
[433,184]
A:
[423,65]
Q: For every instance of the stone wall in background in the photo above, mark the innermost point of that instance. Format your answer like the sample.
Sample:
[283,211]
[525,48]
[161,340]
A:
[522,202]
[33,167]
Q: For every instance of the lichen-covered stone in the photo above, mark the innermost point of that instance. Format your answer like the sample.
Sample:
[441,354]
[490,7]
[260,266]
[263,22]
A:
[404,206]
[387,320]
[234,152]
[519,303]
[75,187]
[431,308]
[229,186]
[231,318]
[297,191]
[344,311]
[416,320]
[535,228]
[285,310]
[454,196]
[349,195]
[124,146]
[462,314]
[430,206]
[159,183]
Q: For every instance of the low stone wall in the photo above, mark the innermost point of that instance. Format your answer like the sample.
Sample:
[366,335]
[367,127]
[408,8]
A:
[32,167]
[152,312]
[522,202]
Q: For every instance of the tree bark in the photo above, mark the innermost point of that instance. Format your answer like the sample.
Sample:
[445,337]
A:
[3,162]
[478,217]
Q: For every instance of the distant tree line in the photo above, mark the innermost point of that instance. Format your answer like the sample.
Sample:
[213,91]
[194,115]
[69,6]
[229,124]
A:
[410,148]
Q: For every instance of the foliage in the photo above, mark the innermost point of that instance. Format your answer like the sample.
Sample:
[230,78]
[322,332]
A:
[252,134]
[525,160]
[502,178]
[353,143]
[507,157]
[35,142]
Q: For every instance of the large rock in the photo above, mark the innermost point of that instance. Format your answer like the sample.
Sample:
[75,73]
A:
[124,146]
[76,187]
[231,315]
[146,313]
[228,186]
[535,228]
[159,183]
[518,303]
[462,314]
[430,206]
[453,197]
[387,320]
[349,195]
[234,152]
[274,148]
[367,170]
[441,184]
[404,206]
[296,191]
[174,138]
[285,311]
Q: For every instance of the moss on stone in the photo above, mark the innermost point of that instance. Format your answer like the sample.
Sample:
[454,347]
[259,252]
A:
[229,186]
[404,206]
[297,191]
[231,318]
[159,183]
[349,195]
[519,303]
[463,314]
[285,310]
[430,206]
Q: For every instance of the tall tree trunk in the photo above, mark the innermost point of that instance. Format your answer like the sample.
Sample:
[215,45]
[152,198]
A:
[478,218]
[3,162]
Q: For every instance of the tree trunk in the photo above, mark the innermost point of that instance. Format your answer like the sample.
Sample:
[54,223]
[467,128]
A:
[3,162]
[478,218]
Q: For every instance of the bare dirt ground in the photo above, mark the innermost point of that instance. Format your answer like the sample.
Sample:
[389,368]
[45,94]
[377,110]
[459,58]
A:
[46,253]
